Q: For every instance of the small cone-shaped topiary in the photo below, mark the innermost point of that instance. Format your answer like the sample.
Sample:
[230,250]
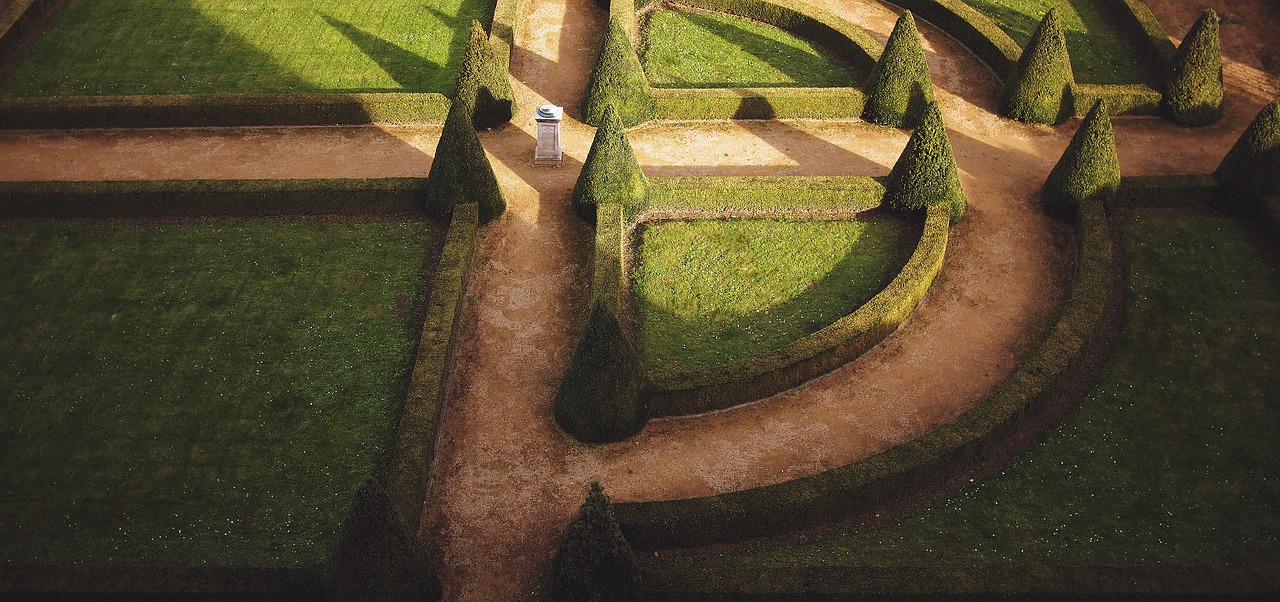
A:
[602,397]
[377,556]
[1251,169]
[482,82]
[1193,80]
[594,561]
[1036,90]
[926,174]
[1088,169]
[611,173]
[461,172]
[618,80]
[899,87]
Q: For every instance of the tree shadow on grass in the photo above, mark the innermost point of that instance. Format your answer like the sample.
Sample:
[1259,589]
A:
[409,70]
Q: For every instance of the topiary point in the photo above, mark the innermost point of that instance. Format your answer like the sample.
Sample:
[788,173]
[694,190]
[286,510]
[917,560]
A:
[482,82]
[377,557]
[1251,169]
[611,173]
[461,172]
[926,174]
[1088,170]
[603,395]
[594,561]
[1193,81]
[899,87]
[1036,89]
[618,80]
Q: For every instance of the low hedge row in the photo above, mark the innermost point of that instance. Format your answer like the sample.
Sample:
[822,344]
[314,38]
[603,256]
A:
[1172,191]
[758,196]
[176,110]
[829,495]
[1144,26]
[151,198]
[1121,99]
[756,103]
[610,253]
[136,582]
[819,353]
[972,28]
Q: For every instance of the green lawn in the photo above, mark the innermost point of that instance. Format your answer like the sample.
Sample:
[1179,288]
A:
[710,292]
[109,47]
[1102,52]
[182,394]
[1171,458]
[707,50]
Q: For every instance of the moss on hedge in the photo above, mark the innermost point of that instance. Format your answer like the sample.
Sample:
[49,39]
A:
[602,397]
[899,88]
[378,556]
[594,561]
[483,84]
[1251,169]
[1036,89]
[461,172]
[926,174]
[618,80]
[1088,169]
[1193,80]
[611,173]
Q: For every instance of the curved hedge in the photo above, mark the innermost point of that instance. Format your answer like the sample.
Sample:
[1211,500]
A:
[1193,82]
[1036,89]
[829,495]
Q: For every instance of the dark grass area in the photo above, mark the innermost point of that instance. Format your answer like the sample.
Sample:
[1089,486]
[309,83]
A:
[124,47]
[1102,51]
[190,393]
[691,49]
[1170,460]
[711,292]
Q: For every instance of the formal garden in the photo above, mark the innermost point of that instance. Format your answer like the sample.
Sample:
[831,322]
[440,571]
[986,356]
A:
[264,387]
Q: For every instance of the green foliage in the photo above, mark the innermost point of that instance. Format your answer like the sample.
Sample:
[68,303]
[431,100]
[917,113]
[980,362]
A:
[761,196]
[1133,99]
[617,80]
[1036,89]
[611,173]
[926,174]
[377,556]
[1193,81]
[1251,168]
[1167,191]
[756,103]
[1088,169]
[594,562]
[899,88]
[483,84]
[461,172]
[602,397]
[972,28]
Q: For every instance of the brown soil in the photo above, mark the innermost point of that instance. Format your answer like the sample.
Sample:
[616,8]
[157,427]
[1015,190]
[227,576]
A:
[506,479]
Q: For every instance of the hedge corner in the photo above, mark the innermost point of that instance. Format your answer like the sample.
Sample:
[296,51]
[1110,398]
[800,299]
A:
[603,396]
[611,173]
[378,556]
[1036,90]
[899,87]
[1251,169]
[483,84]
[618,79]
[1193,81]
[926,174]
[1088,170]
[461,172]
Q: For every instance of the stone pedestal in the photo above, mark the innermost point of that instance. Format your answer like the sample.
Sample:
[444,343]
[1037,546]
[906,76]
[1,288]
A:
[548,151]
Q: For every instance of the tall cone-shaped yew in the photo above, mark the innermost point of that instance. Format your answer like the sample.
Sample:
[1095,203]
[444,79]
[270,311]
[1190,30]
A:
[461,172]
[611,173]
[602,397]
[618,80]
[1251,169]
[1036,90]
[899,87]
[1088,169]
[594,561]
[926,174]
[483,84]
[1193,82]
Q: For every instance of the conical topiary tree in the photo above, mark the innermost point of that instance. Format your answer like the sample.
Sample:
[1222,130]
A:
[1193,79]
[602,397]
[461,172]
[1036,90]
[1251,169]
[611,173]
[594,561]
[1089,168]
[619,80]
[483,83]
[377,556]
[899,87]
[926,174]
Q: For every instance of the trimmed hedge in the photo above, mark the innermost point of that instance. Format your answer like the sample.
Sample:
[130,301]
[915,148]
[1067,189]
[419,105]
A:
[823,351]
[1193,81]
[151,198]
[1144,26]
[611,173]
[1171,191]
[1121,99]
[617,80]
[461,172]
[81,581]
[899,87]
[975,30]
[607,284]
[1036,88]
[1251,169]
[482,82]
[62,112]
[839,492]
[602,397]
[378,556]
[594,561]
[758,196]
[756,103]
[925,174]
[1089,168]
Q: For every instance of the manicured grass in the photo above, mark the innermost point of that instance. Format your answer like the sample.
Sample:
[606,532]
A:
[710,292]
[685,49]
[181,394]
[110,47]
[1169,461]
[1102,52]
